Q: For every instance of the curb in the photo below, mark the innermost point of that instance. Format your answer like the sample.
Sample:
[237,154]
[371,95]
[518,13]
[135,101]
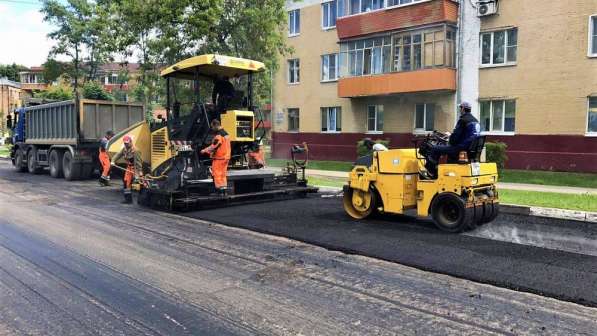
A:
[523,210]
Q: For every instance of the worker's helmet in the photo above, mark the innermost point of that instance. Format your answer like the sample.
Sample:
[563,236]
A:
[110,133]
[465,105]
[127,139]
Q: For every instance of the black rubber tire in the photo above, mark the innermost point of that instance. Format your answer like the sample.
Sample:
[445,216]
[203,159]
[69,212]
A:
[490,213]
[87,171]
[450,213]
[20,165]
[72,171]
[55,162]
[32,166]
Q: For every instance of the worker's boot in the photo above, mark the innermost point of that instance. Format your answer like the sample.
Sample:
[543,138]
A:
[104,181]
[223,192]
[128,198]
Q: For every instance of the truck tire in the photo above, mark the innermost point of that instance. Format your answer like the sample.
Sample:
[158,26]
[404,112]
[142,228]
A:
[87,171]
[72,170]
[32,165]
[450,213]
[55,161]
[20,165]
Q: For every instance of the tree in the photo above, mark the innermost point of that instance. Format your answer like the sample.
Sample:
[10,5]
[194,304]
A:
[94,90]
[11,71]
[57,92]
[54,69]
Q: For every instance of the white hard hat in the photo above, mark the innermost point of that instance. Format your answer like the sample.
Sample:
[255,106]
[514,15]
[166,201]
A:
[379,148]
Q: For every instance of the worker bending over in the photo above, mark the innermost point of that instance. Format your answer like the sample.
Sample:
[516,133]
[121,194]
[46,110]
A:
[219,151]
[134,167]
[104,159]
[466,131]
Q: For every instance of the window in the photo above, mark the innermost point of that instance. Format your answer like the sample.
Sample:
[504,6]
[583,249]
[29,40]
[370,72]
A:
[592,116]
[499,47]
[293,120]
[593,36]
[331,119]
[366,57]
[294,71]
[375,118]
[498,116]
[329,12]
[294,22]
[424,117]
[329,67]
[111,79]
[401,2]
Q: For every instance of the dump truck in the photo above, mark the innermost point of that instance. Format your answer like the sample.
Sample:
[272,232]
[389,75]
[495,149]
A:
[176,175]
[64,136]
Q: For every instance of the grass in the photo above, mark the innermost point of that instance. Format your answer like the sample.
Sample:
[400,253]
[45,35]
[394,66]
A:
[581,202]
[4,151]
[507,175]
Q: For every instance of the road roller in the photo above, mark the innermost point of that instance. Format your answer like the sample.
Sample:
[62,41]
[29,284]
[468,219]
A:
[461,197]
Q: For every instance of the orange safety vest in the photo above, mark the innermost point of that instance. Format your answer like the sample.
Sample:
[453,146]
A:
[220,146]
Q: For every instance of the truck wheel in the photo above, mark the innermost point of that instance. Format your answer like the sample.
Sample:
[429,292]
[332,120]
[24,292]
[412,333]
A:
[56,157]
[20,165]
[72,170]
[450,214]
[87,171]
[32,165]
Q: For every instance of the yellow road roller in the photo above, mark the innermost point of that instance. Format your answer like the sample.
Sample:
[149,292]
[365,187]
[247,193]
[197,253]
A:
[461,197]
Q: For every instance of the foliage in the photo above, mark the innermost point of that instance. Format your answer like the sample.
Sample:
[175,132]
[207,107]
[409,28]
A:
[583,202]
[362,150]
[567,179]
[56,93]
[11,71]
[54,69]
[496,152]
[94,90]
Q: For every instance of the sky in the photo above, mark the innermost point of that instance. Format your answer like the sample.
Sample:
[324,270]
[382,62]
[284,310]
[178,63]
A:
[23,33]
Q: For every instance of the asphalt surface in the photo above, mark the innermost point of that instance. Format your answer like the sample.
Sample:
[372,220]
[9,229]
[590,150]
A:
[511,261]
[73,261]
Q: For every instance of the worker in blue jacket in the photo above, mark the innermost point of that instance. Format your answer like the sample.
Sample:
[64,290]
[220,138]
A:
[466,131]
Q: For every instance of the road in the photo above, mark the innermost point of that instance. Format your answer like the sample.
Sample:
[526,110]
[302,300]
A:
[73,261]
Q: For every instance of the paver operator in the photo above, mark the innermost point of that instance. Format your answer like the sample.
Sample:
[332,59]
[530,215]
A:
[222,93]
[466,131]
[134,167]
[104,159]
[220,152]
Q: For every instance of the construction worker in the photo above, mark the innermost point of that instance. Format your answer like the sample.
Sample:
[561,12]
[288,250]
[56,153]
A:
[134,167]
[466,131]
[222,93]
[256,157]
[219,151]
[104,159]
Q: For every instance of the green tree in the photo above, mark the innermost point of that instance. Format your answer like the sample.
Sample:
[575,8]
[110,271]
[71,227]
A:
[11,71]
[94,90]
[56,93]
[53,69]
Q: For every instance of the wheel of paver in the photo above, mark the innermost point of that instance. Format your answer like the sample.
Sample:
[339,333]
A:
[32,165]
[359,204]
[491,211]
[72,171]
[450,214]
[19,164]
[55,161]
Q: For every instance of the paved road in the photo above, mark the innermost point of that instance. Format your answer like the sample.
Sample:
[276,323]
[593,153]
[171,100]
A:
[75,262]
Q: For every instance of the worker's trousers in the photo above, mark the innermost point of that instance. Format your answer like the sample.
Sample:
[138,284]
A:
[105,162]
[128,178]
[219,170]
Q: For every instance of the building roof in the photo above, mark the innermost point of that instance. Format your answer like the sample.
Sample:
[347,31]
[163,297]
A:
[119,66]
[6,81]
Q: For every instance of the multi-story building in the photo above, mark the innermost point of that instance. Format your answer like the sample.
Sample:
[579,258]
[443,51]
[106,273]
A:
[33,79]
[10,98]
[397,68]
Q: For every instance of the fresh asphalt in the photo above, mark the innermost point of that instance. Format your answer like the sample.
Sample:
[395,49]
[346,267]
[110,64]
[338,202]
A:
[321,221]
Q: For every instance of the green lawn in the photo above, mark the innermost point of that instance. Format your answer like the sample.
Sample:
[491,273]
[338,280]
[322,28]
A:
[541,199]
[507,175]
[4,151]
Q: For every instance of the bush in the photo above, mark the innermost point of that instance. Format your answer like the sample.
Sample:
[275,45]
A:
[496,152]
[362,150]
[56,93]
[93,90]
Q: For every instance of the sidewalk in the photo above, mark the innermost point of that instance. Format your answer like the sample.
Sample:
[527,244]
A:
[502,185]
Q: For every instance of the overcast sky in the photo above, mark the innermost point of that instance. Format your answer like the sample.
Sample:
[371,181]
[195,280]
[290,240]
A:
[23,33]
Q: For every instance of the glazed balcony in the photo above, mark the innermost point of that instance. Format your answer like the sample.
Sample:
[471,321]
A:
[397,17]
[427,80]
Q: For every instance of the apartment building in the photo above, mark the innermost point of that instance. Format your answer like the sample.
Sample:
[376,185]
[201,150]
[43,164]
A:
[33,79]
[397,68]
[10,98]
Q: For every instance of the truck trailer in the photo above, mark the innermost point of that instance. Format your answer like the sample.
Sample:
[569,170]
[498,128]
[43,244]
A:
[65,136]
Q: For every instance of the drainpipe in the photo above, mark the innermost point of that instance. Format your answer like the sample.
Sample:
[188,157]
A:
[459,54]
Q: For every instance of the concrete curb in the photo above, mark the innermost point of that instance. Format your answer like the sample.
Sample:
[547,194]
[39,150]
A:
[522,210]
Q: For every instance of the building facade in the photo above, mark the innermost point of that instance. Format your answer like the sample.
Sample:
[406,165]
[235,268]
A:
[397,68]
[10,99]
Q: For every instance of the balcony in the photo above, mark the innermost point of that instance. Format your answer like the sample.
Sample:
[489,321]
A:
[437,79]
[34,86]
[395,18]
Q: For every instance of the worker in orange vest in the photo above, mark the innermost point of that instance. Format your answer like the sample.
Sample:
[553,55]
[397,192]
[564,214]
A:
[134,167]
[104,159]
[219,151]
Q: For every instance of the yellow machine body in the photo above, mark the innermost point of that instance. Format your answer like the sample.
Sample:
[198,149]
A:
[239,125]
[390,182]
